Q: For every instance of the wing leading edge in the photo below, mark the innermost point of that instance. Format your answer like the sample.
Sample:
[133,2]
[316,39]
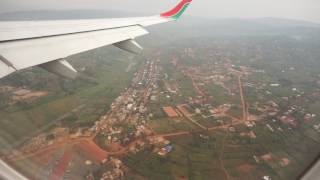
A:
[30,43]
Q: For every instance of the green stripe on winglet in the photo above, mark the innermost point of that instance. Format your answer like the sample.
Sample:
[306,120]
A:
[176,16]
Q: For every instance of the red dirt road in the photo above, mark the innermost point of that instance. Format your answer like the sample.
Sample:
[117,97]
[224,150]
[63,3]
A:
[61,167]
[93,150]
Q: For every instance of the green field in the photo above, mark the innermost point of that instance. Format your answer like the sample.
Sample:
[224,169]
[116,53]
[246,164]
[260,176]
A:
[103,80]
[170,125]
[190,158]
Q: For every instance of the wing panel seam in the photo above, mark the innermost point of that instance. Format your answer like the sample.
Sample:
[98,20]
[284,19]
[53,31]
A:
[80,32]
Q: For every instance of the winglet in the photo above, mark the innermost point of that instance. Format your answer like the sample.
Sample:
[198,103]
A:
[176,12]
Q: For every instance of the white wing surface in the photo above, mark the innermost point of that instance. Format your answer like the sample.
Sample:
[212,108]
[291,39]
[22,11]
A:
[25,44]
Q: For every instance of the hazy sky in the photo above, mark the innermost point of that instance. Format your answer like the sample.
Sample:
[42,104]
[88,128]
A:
[293,9]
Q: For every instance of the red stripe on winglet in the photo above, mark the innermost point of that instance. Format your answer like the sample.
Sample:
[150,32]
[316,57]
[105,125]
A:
[176,9]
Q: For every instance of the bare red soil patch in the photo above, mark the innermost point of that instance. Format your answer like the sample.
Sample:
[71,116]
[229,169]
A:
[245,168]
[93,150]
[170,112]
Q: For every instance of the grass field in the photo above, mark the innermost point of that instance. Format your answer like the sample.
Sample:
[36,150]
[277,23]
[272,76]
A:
[21,121]
[170,125]
[199,158]
[190,158]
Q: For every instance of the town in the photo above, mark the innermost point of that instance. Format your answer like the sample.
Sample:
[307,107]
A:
[216,107]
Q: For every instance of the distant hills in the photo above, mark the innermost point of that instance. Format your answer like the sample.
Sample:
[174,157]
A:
[89,14]
[62,14]
[188,26]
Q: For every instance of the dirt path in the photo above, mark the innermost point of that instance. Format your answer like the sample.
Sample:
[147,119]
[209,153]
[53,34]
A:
[196,87]
[49,148]
[59,170]
[89,141]
[244,111]
[88,144]
[221,157]
[47,126]
[188,117]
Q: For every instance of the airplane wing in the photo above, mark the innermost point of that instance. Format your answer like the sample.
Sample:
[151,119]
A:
[25,44]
